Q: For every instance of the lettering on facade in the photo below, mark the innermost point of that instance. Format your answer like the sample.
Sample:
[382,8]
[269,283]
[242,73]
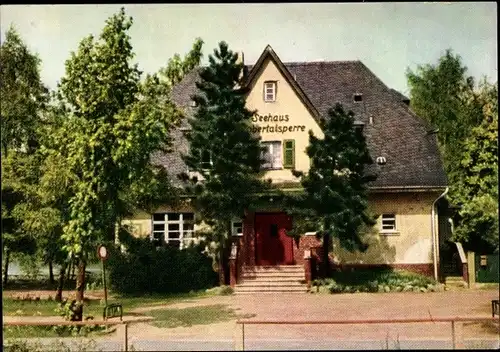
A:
[280,125]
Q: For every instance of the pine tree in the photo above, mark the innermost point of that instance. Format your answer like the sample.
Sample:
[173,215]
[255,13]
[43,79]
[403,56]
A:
[335,197]
[223,149]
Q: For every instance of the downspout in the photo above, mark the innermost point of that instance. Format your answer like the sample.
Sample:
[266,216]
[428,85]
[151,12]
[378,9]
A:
[434,233]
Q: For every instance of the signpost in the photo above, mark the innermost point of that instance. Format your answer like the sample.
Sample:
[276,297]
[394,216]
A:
[102,252]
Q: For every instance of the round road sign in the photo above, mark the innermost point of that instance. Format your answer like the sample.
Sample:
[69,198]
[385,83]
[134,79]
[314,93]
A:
[102,252]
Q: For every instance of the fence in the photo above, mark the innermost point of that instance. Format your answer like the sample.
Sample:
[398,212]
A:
[122,324]
[456,324]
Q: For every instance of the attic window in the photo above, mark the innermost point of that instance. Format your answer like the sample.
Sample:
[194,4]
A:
[270,91]
[358,97]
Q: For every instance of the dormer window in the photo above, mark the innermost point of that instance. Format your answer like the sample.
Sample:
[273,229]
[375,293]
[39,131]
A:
[270,91]
[358,97]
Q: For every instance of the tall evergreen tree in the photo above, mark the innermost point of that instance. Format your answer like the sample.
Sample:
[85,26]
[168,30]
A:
[223,149]
[334,202]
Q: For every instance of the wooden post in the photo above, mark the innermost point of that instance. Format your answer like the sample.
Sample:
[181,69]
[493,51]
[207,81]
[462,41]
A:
[457,334]
[471,267]
[308,268]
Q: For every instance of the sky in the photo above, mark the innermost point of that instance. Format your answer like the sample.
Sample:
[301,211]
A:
[388,38]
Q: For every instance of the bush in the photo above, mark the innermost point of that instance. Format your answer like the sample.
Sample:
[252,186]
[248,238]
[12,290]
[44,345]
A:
[376,280]
[147,269]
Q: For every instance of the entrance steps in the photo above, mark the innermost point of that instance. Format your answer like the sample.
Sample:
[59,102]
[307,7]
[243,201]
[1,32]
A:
[269,279]
[455,282]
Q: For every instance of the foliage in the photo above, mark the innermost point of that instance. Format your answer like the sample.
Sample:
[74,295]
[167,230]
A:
[376,280]
[223,150]
[467,118]
[23,99]
[131,272]
[334,203]
[113,123]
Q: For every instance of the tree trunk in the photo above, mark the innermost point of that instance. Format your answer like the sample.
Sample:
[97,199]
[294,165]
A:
[73,267]
[68,274]
[61,282]
[6,267]
[80,288]
[51,273]
[326,258]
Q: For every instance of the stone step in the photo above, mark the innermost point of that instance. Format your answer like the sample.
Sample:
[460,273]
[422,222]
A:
[239,289]
[278,268]
[454,279]
[270,284]
[272,276]
[269,292]
[274,279]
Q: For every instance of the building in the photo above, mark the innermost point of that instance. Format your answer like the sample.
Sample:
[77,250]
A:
[289,97]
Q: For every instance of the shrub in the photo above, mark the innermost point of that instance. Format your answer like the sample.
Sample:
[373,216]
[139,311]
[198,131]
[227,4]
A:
[147,269]
[376,280]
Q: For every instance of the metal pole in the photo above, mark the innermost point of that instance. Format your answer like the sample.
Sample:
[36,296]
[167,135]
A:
[104,283]
[125,337]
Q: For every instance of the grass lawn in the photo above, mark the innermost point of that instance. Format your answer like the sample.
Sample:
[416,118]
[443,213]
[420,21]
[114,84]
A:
[186,317]
[13,307]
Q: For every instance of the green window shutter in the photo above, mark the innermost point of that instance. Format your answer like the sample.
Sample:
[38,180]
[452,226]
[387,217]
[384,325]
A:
[289,153]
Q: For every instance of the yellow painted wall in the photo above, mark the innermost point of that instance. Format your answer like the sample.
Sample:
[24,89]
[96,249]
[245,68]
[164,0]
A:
[140,222]
[411,244]
[289,106]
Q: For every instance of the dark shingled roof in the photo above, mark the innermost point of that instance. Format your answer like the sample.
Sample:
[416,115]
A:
[412,155]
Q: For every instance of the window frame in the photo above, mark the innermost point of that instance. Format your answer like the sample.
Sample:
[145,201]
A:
[392,217]
[274,86]
[278,145]
[177,218]
[234,227]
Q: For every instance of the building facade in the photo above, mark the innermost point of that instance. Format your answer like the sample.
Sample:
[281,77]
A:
[289,98]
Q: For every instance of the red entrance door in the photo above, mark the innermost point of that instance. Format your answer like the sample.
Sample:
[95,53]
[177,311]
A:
[273,246]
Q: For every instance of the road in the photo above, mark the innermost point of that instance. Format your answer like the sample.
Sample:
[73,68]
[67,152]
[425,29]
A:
[284,344]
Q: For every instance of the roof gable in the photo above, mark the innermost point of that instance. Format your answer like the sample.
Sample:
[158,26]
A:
[269,53]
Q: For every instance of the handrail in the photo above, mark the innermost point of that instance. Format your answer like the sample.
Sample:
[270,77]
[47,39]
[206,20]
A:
[461,252]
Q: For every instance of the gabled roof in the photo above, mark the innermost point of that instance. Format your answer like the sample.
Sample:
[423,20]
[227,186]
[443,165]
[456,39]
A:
[253,74]
[391,129]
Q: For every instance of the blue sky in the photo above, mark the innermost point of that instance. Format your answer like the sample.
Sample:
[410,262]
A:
[387,37]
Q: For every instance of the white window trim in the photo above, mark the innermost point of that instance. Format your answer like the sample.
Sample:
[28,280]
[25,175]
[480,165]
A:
[273,86]
[272,145]
[233,228]
[394,231]
[185,236]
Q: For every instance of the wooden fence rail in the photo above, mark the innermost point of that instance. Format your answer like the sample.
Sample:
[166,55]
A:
[456,324]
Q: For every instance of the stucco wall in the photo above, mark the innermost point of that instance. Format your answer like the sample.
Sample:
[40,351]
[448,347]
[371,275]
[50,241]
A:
[293,114]
[140,222]
[410,244]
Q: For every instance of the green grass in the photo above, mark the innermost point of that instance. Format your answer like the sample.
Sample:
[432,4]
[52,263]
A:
[44,307]
[186,317]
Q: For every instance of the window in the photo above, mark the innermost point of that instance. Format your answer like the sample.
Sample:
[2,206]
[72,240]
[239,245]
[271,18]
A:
[389,223]
[270,91]
[358,97]
[289,154]
[174,229]
[206,159]
[271,155]
[237,226]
